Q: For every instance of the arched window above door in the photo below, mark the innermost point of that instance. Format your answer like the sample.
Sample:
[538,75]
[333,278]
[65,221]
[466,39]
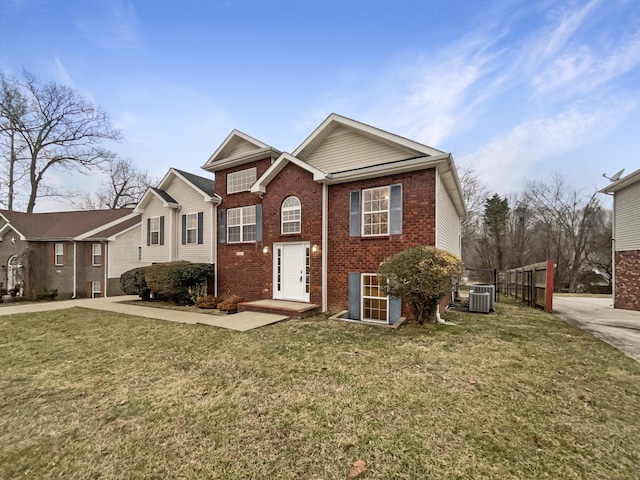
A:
[291,215]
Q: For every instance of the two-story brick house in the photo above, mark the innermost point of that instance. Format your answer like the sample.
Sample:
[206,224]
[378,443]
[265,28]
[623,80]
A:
[314,225]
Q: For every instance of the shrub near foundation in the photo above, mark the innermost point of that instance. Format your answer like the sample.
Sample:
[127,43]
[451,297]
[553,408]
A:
[173,280]
[132,282]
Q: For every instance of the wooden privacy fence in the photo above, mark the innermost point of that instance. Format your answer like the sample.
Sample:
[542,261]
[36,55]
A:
[532,284]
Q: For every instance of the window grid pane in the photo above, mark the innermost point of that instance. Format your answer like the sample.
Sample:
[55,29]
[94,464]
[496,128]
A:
[241,181]
[375,211]
[154,226]
[241,224]
[291,215]
[192,228]
[96,254]
[374,301]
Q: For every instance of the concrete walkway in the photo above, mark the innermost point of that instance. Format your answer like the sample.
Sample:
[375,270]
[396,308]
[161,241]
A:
[620,328]
[240,322]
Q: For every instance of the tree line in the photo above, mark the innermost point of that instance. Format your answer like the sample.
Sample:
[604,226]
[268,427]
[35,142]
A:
[547,220]
[47,127]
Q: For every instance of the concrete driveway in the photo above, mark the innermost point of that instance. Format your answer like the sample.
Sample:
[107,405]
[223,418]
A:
[620,328]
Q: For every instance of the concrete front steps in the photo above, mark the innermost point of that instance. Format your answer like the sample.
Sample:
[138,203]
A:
[295,310]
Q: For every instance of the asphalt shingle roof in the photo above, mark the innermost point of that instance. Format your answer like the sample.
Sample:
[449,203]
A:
[206,185]
[61,225]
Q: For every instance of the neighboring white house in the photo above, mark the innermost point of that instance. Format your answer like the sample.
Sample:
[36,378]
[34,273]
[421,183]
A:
[626,240]
[178,219]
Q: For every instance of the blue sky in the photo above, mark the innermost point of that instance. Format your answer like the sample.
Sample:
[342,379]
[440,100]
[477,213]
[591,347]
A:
[518,88]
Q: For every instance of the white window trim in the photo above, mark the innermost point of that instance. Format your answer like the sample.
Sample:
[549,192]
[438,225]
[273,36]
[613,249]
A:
[289,209]
[151,231]
[61,254]
[93,289]
[93,254]
[241,224]
[388,211]
[186,234]
[362,298]
[249,173]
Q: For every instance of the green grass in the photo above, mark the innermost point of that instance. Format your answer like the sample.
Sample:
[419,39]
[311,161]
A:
[521,394]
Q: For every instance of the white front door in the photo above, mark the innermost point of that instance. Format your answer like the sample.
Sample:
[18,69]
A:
[291,271]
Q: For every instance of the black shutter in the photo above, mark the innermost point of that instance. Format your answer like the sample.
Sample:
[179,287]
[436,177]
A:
[354,214]
[162,230]
[395,209]
[200,228]
[184,229]
[354,295]
[148,232]
[222,226]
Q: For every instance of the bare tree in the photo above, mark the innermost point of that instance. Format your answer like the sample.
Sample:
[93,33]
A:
[60,129]
[474,193]
[124,186]
[569,220]
[13,107]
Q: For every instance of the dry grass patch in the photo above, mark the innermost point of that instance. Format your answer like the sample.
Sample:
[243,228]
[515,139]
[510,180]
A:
[85,394]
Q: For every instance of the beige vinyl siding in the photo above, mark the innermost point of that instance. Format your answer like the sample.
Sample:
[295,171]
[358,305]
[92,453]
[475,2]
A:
[191,201]
[627,218]
[241,147]
[156,253]
[123,252]
[345,149]
[447,220]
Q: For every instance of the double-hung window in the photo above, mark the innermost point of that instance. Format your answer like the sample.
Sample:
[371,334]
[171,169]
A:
[96,289]
[241,224]
[96,254]
[59,254]
[192,228]
[375,211]
[154,229]
[375,304]
[241,181]
[291,215]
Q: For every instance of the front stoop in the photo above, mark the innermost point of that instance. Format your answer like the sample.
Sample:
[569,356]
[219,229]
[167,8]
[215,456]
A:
[295,310]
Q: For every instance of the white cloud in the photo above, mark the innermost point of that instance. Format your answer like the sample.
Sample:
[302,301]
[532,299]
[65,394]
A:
[507,158]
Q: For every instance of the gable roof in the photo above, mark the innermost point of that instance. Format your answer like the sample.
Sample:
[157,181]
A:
[203,186]
[276,167]
[236,149]
[624,182]
[114,231]
[74,225]
[334,121]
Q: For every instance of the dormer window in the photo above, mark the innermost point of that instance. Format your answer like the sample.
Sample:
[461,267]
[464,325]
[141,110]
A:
[291,215]
[241,181]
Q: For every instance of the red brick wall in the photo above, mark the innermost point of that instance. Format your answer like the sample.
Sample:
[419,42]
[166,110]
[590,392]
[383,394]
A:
[364,254]
[628,280]
[240,274]
[293,180]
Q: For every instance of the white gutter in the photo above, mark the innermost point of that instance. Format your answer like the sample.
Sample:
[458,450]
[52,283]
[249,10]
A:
[75,273]
[106,266]
[214,223]
[325,189]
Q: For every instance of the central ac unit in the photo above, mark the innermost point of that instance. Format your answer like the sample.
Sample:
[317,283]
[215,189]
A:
[490,289]
[480,302]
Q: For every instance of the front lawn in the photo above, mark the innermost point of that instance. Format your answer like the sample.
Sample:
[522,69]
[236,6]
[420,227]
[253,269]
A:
[86,394]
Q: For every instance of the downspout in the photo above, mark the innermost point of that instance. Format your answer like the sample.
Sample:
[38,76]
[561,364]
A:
[106,265]
[214,242]
[75,273]
[325,190]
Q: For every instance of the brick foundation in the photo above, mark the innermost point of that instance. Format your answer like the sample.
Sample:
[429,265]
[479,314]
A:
[627,295]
